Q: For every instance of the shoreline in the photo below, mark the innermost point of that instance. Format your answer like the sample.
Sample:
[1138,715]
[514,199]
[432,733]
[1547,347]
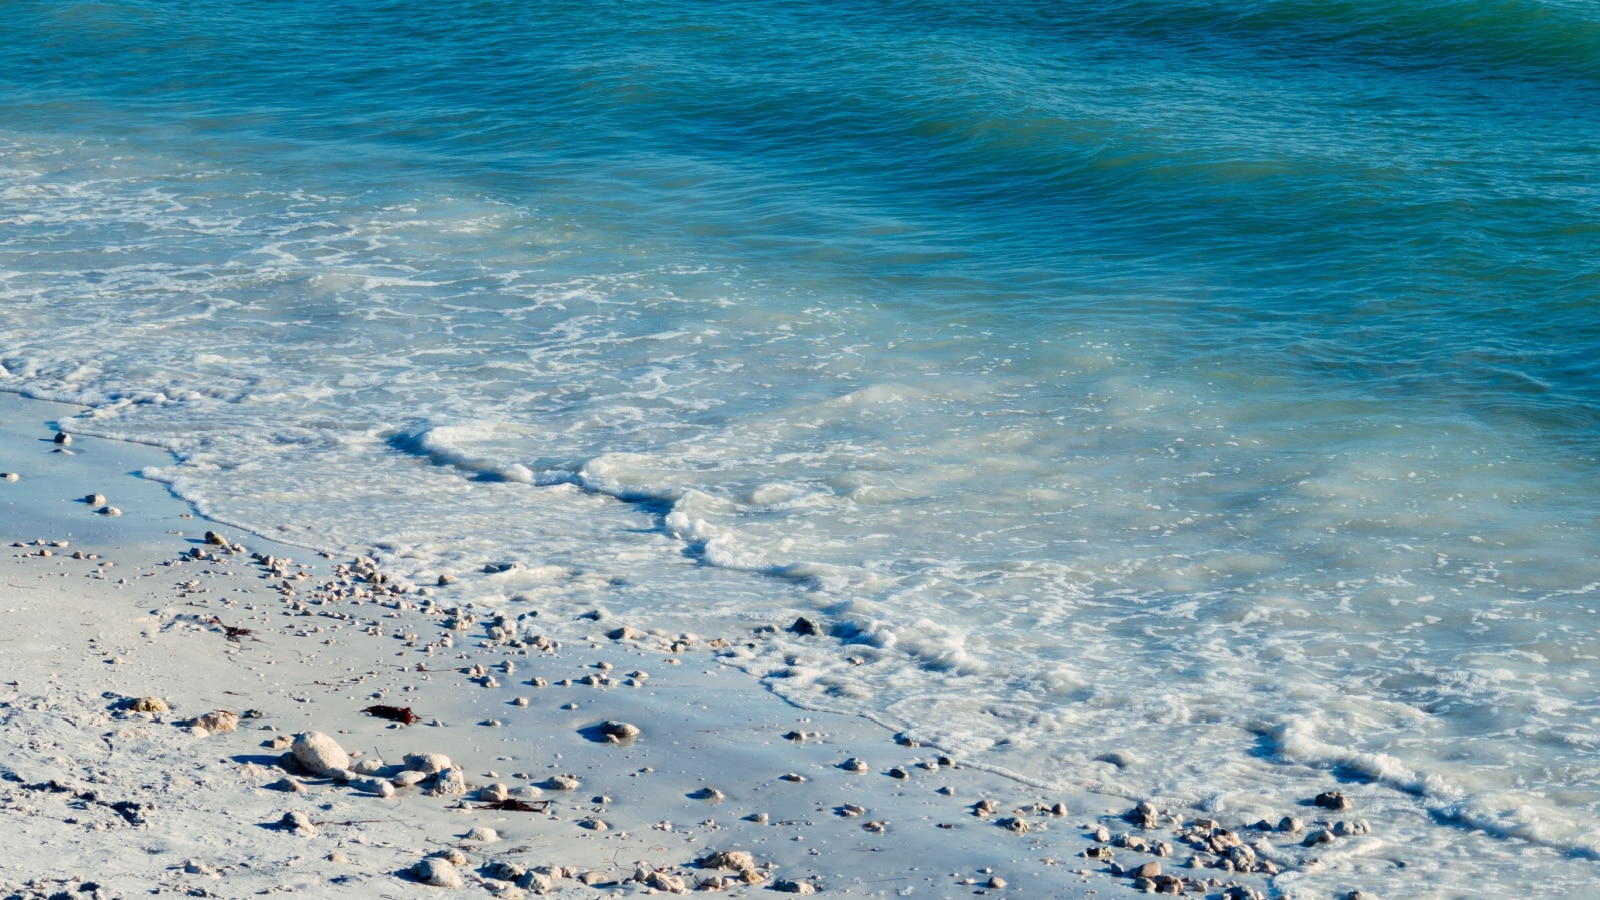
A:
[315,640]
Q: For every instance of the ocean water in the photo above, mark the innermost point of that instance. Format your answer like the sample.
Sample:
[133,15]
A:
[1217,384]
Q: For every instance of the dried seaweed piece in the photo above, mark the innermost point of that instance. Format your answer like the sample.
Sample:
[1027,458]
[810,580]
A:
[232,632]
[401,714]
[514,805]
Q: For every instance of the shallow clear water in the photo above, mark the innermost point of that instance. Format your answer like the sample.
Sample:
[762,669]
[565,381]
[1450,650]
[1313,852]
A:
[1214,383]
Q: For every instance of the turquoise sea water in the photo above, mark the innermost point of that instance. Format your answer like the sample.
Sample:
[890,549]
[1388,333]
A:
[1216,383]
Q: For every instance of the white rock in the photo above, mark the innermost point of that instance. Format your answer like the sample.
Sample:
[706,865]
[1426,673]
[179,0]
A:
[109,511]
[370,785]
[9,476]
[437,872]
[562,782]
[408,778]
[298,822]
[663,881]
[427,763]
[319,754]
[450,782]
[494,793]
[483,835]
[195,867]
[538,882]
[212,722]
[372,766]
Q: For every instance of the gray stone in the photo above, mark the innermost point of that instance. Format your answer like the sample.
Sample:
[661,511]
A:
[737,860]
[619,732]
[1015,824]
[1148,870]
[804,626]
[1333,800]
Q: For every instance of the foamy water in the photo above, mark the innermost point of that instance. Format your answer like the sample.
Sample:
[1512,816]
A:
[1261,450]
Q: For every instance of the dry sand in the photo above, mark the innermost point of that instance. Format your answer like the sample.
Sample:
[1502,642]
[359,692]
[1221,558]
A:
[100,799]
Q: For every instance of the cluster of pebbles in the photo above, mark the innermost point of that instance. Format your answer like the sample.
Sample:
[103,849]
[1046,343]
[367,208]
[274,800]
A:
[1164,839]
[317,754]
[1206,844]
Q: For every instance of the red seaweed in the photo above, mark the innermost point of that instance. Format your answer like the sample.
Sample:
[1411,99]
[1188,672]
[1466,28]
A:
[402,714]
